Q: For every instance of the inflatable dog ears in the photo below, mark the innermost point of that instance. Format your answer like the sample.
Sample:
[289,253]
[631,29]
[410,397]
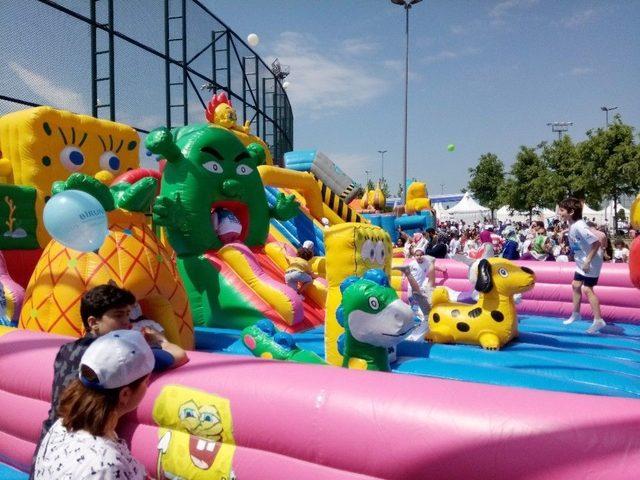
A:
[480,276]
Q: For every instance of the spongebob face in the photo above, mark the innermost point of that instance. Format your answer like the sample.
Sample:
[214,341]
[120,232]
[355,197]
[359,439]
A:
[202,421]
[352,249]
[196,438]
[43,145]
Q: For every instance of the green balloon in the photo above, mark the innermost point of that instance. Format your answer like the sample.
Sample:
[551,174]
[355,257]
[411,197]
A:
[451,147]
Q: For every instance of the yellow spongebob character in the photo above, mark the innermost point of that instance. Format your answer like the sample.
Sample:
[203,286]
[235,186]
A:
[351,249]
[196,434]
[417,198]
[42,145]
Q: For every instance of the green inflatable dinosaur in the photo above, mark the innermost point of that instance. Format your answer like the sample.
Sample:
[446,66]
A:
[211,176]
[374,319]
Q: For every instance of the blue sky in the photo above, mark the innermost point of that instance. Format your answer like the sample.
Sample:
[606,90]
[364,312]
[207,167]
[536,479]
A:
[484,75]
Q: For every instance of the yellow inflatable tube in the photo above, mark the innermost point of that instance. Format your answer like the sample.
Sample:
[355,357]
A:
[243,262]
[316,291]
[352,249]
[302,182]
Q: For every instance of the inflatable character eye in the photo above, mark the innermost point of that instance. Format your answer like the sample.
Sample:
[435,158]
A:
[244,169]
[109,161]
[188,413]
[368,251]
[373,303]
[380,252]
[503,272]
[212,166]
[72,158]
[208,417]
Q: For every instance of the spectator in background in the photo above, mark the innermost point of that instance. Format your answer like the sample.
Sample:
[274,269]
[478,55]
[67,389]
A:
[620,252]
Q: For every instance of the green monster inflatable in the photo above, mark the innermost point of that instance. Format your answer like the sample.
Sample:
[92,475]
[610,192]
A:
[210,175]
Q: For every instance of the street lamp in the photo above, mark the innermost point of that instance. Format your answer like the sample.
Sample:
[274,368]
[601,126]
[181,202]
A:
[407,4]
[367,172]
[382,152]
[606,111]
[559,127]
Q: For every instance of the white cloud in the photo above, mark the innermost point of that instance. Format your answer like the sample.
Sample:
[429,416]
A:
[578,19]
[355,165]
[579,71]
[358,46]
[507,7]
[458,29]
[320,83]
[445,55]
[50,93]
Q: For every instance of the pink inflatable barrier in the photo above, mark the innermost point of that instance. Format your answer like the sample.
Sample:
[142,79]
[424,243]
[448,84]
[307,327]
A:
[552,294]
[294,421]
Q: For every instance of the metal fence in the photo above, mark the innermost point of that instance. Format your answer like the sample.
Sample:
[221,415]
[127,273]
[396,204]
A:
[144,63]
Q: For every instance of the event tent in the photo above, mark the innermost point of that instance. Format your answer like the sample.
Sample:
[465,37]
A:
[468,210]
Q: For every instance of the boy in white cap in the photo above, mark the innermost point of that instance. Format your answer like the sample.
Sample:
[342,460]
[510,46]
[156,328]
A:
[111,382]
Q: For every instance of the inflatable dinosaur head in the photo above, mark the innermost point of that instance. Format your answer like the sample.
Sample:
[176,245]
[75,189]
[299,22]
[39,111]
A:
[210,180]
[372,313]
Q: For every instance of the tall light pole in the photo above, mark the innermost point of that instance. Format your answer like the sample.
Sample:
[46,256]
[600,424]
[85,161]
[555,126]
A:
[382,152]
[559,127]
[407,4]
[606,111]
[367,172]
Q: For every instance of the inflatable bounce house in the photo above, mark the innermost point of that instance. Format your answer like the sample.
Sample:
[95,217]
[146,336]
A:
[274,387]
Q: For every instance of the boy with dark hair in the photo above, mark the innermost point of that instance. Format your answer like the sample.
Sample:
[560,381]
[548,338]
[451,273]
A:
[588,258]
[104,309]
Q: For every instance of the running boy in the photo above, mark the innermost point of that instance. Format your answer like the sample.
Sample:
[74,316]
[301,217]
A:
[588,257]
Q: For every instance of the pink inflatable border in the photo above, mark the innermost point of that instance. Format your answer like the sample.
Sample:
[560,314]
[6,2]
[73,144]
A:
[306,421]
[552,295]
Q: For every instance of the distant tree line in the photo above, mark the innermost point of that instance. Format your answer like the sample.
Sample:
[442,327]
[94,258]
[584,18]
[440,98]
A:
[605,166]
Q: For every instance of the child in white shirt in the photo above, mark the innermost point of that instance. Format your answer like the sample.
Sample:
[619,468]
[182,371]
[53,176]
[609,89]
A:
[588,256]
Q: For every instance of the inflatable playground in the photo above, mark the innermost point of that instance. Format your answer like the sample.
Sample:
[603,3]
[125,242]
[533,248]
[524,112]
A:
[304,383]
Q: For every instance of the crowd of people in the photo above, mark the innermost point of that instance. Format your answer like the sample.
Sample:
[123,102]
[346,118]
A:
[567,238]
[537,240]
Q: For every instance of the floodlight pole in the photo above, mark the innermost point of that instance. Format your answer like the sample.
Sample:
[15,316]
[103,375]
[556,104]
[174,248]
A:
[382,152]
[559,127]
[606,111]
[407,4]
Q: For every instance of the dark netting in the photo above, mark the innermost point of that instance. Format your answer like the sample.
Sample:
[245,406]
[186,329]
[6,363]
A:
[142,86]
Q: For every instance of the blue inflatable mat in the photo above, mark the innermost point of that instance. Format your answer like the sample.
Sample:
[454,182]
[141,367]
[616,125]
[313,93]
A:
[10,473]
[547,355]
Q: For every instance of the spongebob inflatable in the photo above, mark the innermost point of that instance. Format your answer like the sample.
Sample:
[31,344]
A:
[42,145]
[195,435]
[352,249]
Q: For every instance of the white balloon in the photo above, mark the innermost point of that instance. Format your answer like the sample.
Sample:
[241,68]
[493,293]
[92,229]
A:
[285,85]
[253,39]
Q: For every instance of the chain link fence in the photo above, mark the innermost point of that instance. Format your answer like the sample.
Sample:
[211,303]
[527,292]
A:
[143,63]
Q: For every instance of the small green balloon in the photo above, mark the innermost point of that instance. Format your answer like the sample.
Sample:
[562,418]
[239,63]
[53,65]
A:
[451,147]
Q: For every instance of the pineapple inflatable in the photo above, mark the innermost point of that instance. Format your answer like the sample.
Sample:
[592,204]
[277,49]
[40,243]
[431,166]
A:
[131,256]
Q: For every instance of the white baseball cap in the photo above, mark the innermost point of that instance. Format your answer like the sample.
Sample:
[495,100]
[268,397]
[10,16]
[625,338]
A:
[117,358]
[308,244]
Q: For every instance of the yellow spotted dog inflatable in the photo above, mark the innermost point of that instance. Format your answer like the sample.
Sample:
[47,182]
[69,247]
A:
[492,321]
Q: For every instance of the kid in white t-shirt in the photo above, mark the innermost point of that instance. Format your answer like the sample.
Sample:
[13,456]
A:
[588,257]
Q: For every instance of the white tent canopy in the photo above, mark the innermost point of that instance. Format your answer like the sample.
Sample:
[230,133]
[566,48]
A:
[505,213]
[468,210]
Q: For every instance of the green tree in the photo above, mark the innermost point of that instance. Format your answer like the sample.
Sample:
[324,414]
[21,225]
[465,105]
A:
[371,185]
[400,190]
[565,170]
[527,184]
[486,181]
[611,159]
